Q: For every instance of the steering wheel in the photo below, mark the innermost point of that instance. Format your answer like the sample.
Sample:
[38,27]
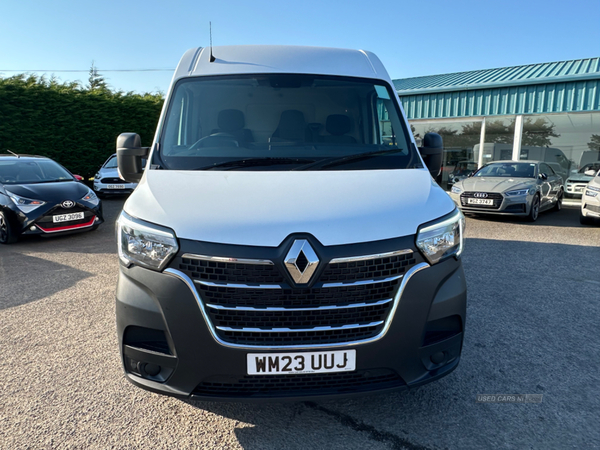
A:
[214,140]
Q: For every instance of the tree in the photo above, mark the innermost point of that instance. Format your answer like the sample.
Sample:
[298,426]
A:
[538,133]
[96,82]
[594,143]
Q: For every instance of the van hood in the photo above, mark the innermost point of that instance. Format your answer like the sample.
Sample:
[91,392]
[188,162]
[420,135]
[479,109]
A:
[263,208]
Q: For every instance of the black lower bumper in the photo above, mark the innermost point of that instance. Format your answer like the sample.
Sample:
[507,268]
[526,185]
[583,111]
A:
[167,347]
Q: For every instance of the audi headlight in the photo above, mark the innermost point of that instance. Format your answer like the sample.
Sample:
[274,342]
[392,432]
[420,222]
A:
[25,204]
[517,192]
[143,243]
[456,190]
[91,197]
[442,238]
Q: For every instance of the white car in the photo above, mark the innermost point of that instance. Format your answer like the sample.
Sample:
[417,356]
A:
[108,182]
[590,201]
[287,239]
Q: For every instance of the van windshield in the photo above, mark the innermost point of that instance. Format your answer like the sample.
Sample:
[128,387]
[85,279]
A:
[284,122]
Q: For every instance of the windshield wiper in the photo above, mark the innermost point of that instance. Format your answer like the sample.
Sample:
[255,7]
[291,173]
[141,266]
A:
[256,162]
[332,162]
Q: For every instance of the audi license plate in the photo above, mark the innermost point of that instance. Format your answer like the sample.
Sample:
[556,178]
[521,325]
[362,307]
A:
[480,201]
[67,217]
[306,362]
[116,186]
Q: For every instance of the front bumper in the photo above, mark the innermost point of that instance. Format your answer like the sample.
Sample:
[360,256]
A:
[108,189]
[590,206]
[575,188]
[40,222]
[159,323]
[515,206]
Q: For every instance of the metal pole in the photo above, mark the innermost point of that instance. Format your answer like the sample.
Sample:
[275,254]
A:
[481,144]
[516,153]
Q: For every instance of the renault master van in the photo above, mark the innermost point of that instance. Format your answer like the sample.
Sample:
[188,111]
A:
[286,239]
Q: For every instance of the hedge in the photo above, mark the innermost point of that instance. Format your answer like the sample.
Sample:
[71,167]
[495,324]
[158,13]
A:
[75,126]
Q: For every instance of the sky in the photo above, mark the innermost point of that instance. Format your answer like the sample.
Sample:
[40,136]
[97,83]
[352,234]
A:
[136,45]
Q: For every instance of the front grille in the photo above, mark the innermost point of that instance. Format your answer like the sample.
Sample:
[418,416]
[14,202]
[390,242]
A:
[113,181]
[300,318]
[225,272]
[47,222]
[300,385]
[367,270]
[249,303]
[593,208]
[497,200]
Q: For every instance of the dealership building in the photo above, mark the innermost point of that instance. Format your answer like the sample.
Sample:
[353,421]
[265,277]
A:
[548,112]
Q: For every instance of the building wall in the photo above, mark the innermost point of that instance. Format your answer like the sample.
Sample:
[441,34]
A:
[526,99]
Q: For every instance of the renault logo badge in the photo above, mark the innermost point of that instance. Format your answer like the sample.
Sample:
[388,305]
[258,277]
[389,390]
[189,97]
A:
[301,261]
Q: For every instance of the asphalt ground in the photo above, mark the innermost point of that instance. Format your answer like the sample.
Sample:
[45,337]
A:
[532,328]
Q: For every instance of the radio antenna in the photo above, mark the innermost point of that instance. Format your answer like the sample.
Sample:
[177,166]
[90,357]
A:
[212,58]
[12,153]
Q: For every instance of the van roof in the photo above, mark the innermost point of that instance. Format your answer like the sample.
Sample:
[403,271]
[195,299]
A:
[253,59]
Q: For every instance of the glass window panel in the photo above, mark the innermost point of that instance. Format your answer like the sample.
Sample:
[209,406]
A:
[499,139]
[460,138]
[567,142]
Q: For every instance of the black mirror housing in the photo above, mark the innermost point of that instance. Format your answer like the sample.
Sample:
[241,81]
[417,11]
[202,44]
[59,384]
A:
[129,156]
[543,176]
[431,152]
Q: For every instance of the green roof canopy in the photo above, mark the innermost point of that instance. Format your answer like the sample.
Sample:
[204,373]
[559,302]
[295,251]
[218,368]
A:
[563,86]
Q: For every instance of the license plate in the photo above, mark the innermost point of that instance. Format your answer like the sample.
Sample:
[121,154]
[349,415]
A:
[305,362]
[67,217]
[480,201]
[116,186]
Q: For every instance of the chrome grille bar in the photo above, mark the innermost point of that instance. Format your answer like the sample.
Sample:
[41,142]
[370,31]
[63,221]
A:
[319,308]
[241,286]
[300,330]
[222,259]
[281,286]
[368,257]
[360,282]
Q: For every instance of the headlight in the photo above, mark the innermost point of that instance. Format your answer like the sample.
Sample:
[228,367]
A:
[91,197]
[515,193]
[443,238]
[590,193]
[25,204]
[456,190]
[144,243]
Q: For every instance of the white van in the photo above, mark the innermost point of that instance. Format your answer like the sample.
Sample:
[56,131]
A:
[286,239]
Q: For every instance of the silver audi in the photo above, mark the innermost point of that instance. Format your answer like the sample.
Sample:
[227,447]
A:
[521,188]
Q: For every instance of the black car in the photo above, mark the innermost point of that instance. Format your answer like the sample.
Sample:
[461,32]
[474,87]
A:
[39,196]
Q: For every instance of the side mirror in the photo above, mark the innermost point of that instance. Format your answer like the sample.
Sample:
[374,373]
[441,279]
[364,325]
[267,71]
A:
[590,173]
[129,156]
[543,176]
[432,150]
[78,177]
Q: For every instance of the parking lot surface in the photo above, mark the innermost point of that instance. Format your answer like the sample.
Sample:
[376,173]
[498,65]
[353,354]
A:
[532,328]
